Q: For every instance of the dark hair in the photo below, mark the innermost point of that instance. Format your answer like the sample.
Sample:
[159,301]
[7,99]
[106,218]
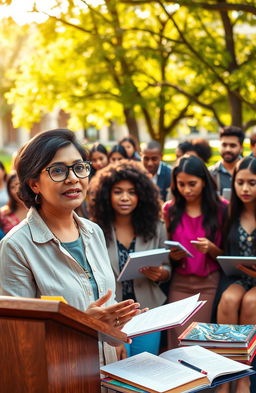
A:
[253,139]
[153,145]
[118,149]
[3,167]
[12,203]
[233,131]
[210,202]
[185,146]
[97,147]
[101,149]
[236,205]
[131,140]
[34,156]
[202,148]
[147,213]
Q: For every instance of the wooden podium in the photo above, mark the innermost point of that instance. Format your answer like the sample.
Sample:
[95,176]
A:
[49,347]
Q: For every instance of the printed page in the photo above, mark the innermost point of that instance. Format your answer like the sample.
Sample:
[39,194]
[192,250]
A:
[151,371]
[160,317]
[214,364]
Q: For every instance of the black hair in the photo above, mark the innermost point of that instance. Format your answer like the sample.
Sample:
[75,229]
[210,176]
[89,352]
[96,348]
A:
[147,213]
[132,141]
[97,147]
[210,202]
[202,148]
[118,149]
[236,205]
[34,156]
[185,146]
[12,203]
[233,131]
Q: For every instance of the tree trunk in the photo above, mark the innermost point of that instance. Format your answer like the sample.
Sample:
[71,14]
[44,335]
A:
[235,110]
[131,123]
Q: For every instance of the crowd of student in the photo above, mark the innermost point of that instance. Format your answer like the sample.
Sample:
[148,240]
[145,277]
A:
[138,202]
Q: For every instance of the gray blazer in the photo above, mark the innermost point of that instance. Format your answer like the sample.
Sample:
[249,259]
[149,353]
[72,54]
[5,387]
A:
[147,292]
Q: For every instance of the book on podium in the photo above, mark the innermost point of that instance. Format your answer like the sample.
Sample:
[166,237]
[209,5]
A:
[186,369]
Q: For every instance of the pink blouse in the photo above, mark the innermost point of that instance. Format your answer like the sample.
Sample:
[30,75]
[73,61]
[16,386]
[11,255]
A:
[8,221]
[190,228]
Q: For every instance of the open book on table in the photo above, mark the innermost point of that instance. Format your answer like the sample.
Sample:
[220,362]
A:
[163,317]
[140,259]
[166,373]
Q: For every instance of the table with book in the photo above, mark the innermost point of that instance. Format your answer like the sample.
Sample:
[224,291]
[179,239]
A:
[209,355]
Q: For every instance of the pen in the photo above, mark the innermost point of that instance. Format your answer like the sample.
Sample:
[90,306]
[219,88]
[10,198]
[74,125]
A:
[193,367]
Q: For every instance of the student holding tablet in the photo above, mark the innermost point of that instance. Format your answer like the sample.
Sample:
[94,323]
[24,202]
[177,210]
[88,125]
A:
[195,214]
[127,207]
[238,301]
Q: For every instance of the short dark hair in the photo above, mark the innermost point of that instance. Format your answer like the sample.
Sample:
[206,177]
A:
[34,156]
[153,145]
[233,131]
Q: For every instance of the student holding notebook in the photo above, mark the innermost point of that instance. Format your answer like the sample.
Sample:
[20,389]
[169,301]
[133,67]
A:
[238,301]
[127,208]
[195,214]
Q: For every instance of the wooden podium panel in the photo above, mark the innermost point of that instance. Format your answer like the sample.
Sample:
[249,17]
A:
[49,347]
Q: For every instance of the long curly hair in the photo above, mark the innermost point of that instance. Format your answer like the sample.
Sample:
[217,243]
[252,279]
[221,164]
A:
[210,202]
[147,213]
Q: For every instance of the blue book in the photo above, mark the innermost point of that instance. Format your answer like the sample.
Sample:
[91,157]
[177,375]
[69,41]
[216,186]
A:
[218,335]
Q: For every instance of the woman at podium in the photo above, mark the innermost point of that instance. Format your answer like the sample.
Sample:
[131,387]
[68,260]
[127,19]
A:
[53,251]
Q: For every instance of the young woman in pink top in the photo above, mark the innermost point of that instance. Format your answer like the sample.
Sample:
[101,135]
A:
[195,214]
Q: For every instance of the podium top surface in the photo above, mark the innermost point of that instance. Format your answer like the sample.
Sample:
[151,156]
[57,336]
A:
[19,307]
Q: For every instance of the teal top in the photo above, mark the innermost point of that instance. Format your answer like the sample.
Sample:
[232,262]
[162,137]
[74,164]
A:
[76,249]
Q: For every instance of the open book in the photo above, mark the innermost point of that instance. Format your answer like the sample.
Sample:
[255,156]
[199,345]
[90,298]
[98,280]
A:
[163,317]
[166,373]
[139,259]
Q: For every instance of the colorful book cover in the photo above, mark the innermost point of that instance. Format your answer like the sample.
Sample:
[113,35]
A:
[199,331]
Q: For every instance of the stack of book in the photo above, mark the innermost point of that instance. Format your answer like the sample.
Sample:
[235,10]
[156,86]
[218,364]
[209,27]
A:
[237,342]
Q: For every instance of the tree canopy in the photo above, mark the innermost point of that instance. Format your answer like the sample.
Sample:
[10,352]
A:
[163,61]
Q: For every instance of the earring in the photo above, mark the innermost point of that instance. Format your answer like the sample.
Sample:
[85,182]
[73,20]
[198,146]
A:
[37,201]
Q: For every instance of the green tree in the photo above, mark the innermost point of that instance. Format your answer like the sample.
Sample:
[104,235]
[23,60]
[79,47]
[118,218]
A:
[127,60]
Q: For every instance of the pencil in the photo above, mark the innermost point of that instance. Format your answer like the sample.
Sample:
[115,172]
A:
[193,367]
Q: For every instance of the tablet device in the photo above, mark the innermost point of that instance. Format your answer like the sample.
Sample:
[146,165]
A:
[173,244]
[228,264]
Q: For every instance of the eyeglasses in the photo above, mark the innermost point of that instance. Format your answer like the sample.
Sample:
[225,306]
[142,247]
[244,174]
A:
[60,172]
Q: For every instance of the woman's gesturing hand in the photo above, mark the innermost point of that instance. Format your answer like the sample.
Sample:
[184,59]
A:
[116,315]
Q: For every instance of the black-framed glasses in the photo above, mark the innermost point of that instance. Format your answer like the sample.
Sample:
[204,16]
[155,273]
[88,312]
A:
[60,172]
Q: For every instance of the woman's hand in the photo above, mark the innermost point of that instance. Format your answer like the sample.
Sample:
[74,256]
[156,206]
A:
[202,244]
[176,254]
[250,271]
[205,246]
[155,273]
[121,352]
[116,315]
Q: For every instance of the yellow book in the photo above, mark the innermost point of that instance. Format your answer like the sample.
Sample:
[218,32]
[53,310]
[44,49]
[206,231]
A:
[56,298]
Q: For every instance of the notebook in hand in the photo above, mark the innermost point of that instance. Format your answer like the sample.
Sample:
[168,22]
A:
[229,264]
[175,371]
[172,244]
[163,317]
[140,259]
